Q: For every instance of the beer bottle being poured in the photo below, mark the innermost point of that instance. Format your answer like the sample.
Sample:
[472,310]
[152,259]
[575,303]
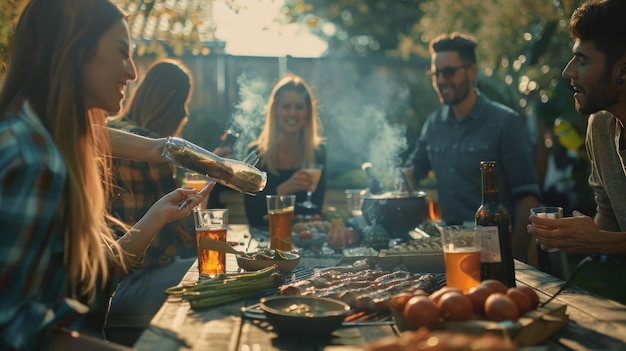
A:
[496,258]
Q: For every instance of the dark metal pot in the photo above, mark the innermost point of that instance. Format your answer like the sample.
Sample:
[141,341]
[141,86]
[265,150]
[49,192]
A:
[398,213]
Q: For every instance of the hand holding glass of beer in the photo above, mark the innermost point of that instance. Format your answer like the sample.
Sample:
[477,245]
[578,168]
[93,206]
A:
[316,173]
[280,212]
[212,224]
[548,212]
[461,253]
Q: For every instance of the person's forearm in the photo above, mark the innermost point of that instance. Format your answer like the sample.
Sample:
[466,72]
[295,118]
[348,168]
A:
[135,147]
[521,238]
[608,243]
[139,237]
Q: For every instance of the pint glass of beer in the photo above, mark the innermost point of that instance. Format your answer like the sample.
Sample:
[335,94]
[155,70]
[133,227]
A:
[211,224]
[461,253]
[280,212]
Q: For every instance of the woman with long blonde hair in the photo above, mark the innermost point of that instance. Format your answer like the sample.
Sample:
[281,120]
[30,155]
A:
[69,63]
[288,143]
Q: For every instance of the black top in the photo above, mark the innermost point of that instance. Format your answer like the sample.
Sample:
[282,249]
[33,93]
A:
[256,206]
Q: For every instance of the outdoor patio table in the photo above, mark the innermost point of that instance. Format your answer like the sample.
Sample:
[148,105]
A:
[594,323]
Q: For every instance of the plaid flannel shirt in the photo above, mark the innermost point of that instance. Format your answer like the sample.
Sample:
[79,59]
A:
[32,191]
[138,186]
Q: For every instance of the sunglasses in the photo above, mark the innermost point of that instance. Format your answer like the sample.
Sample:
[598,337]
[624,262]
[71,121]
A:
[447,72]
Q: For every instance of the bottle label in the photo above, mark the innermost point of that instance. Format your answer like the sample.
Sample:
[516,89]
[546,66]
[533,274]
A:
[490,252]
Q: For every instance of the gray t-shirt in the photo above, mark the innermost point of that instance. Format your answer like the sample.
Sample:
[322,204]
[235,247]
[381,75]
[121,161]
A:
[608,173]
[453,150]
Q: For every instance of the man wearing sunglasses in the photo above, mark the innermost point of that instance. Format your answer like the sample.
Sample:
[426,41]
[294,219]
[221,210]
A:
[469,128]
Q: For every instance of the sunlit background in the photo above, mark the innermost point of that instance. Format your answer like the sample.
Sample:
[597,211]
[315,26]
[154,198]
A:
[365,60]
[256,30]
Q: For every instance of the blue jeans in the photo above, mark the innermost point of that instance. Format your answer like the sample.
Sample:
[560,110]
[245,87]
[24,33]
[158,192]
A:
[141,292]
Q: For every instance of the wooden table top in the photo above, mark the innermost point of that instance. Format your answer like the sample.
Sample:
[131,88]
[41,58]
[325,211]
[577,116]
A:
[594,323]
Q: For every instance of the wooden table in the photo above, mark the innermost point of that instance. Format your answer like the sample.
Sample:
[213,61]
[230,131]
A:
[595,323]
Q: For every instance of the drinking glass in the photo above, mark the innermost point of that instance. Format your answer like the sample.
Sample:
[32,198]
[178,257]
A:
[354,199]
[195,181]
[461,254]
[212,224]
[316,172]
[548,212]
[280,212]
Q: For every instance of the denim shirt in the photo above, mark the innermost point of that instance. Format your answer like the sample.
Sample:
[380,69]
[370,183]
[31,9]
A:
[454,149]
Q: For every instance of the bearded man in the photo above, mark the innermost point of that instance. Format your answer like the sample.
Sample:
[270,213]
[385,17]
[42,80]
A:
[469,128]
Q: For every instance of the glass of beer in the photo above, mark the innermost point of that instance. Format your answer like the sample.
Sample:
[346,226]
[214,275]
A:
[280,212]
[212,224]
[461,253]
[194,181]
[316,173]
[548,212]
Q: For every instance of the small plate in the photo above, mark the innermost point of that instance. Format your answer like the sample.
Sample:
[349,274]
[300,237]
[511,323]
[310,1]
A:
[252,264]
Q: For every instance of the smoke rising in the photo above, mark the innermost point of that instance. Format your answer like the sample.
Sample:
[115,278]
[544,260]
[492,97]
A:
[356,107]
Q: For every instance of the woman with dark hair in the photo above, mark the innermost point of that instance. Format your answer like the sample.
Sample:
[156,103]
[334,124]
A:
[69,63]
[288,143]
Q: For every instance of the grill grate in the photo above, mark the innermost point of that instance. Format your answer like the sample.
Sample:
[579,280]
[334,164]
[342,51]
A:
[355,318]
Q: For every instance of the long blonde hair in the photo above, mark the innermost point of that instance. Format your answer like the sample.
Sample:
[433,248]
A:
[267,142]
[52,43]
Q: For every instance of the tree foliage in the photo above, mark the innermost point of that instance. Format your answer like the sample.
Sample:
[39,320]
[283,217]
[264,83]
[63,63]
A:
[523,44]
[10,9]
[364,27]
[184,27]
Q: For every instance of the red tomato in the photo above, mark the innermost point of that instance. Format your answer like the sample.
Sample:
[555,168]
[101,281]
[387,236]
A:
[523,301]
[534,298]
[415,291]
[398,301]
[479,295]
[455,306]
[500,307]
[420,311]
[315,218]
[305,235]
[439,293]
[496,286]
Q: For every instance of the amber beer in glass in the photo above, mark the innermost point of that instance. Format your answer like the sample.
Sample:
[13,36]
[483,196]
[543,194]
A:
[461,254]
[194,181]
[212,224]
[280,213]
